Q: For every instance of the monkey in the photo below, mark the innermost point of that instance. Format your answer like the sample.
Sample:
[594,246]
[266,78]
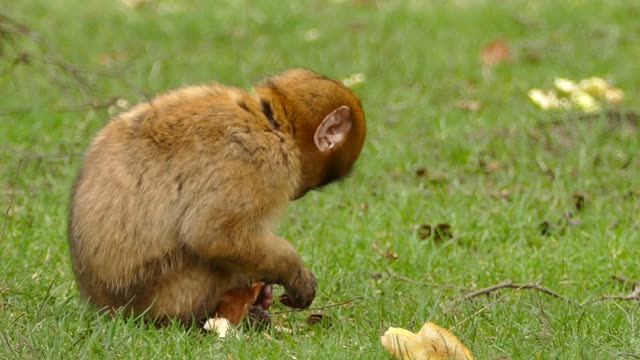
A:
[176,199]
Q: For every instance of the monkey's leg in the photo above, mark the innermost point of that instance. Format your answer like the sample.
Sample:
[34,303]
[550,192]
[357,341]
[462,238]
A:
[189,294]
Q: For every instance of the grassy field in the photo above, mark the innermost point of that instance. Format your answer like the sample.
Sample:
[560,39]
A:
[530,196]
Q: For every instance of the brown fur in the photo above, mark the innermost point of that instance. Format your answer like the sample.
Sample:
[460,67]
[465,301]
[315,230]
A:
[176,198]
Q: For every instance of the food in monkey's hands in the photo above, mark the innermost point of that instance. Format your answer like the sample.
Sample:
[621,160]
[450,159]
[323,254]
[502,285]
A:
[235,306]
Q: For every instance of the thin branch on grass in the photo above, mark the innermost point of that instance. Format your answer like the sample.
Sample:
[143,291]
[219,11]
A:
[508,284]
[43,60]
[13,190]
[624,279]
[484,308]
[344,303]
[446,286]
[633,296]
[91,105]
[613,115]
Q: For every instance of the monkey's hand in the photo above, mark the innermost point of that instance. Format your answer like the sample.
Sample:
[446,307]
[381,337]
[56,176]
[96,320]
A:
[301,292]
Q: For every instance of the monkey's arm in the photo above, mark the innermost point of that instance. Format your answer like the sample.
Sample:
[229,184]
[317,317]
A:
[262,257]
[249,178]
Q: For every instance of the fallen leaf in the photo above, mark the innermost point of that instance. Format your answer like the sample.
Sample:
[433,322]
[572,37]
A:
[579,200]
[439,232]
[545,228]
[314,319]
[357,27]
[495,52]
[489,167]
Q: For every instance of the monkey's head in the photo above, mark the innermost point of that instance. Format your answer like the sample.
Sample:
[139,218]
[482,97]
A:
[325,118]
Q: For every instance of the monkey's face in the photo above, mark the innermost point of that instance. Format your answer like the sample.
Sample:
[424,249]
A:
[327,122]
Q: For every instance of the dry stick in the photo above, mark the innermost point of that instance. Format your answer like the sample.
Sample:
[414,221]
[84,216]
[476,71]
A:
[348,302]
[13,190]
[11,29]
[634,296]
[91,105]
[504,285]
[511,285]
[624,279]
[485,307]
[446,286]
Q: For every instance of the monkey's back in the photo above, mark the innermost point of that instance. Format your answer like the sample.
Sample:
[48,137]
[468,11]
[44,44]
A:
[172,171]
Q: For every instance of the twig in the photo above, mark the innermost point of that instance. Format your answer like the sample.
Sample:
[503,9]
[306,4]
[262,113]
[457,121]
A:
[633,296]
[13,190]
[508,284]
[348,302]
[485,307]
[611,114]
[93,105]
[50,64]
[446,286]
[624,279]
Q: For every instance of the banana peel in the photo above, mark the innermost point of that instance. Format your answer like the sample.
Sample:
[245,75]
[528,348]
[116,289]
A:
[587,95]
[430,343]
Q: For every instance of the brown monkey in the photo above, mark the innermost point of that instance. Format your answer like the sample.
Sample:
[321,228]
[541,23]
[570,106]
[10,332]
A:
[176,198]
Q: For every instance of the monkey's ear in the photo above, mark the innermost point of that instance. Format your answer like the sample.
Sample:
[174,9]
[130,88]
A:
[333,129]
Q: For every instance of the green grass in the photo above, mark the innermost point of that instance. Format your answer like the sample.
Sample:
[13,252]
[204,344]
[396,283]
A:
[420,58]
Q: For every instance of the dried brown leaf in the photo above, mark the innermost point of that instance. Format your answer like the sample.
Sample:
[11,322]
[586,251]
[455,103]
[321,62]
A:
[439,232]
[315,318]
[579,200]
[495,52]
